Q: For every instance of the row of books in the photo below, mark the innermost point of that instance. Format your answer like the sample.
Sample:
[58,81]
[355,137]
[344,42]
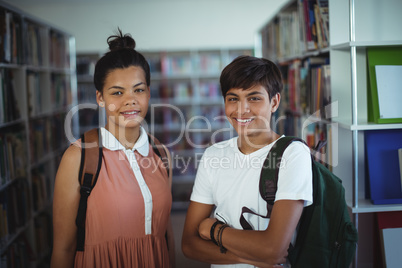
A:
[86,93]
[46,135]
[41,187]
[300,28]
[185,90]
[9,104]
[19,254]
[37,38]
[10,37]
[307,86]
[15,209]
[187,64]
[315,28]
[175,118]
[12,156]
[59,50]
[40,101]
[60,87]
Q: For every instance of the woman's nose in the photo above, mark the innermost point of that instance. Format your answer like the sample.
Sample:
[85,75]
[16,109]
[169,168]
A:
[130,99]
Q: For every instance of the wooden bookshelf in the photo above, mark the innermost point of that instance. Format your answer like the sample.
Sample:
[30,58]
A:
[186,108]
[37,91]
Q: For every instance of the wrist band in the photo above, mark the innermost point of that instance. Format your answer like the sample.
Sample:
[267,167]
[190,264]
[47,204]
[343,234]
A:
[212,232]
[220,232]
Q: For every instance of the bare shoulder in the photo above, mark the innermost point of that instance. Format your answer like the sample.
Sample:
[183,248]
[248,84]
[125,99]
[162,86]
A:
[69,166]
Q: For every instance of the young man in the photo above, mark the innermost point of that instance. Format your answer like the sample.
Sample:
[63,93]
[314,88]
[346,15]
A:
[228,178]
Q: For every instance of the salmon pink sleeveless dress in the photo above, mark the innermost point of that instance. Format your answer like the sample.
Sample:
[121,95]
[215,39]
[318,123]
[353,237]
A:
[128,211]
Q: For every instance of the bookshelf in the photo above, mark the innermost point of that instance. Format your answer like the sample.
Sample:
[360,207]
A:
[37,91]
[352,31]
[186,107]
[292,40]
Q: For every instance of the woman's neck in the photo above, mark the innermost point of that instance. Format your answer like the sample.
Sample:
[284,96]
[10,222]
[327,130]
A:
[126,136]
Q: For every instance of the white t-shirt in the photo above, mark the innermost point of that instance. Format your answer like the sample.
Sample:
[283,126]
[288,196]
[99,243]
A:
[229,179]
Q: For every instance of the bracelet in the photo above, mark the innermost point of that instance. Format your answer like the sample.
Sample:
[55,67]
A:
[220,232]
[212,232]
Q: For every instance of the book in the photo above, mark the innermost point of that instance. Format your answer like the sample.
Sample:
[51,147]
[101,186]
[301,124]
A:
[383,56]
[389,81]
[400,163]
[390,231]
[381,147]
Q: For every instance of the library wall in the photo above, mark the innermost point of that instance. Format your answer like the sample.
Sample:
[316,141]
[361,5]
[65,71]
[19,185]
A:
[158,25]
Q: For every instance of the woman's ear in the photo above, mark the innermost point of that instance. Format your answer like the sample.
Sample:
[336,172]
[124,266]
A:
[99,99]
[275,101]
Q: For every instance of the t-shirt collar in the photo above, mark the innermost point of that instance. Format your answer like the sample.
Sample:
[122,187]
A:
[110,142]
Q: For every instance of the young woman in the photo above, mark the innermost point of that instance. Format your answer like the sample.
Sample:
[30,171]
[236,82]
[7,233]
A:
[228,178]
[128,215]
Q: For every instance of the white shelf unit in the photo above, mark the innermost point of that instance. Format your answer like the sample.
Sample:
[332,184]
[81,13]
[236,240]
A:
[355,26]
[38,89]
[369,24]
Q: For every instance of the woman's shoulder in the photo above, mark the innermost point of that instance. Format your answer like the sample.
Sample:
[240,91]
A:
[73,153]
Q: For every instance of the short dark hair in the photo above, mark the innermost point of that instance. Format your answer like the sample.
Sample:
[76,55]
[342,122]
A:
[246,71]
[122,55]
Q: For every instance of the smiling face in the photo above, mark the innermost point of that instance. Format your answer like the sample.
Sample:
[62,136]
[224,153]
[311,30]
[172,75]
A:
[125,97]
[249,111]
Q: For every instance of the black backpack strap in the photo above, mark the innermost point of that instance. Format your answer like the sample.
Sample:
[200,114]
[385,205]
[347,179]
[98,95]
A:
[159,149]
[91,162]
[269,178]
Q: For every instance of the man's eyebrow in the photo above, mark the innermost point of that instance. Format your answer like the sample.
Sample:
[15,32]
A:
[232,94]
[249,94]
[254,93]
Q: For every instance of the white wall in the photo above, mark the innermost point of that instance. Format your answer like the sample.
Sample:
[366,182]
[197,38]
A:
[157,24]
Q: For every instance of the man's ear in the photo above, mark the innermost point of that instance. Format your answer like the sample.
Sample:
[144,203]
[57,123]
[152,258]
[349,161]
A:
[275,101]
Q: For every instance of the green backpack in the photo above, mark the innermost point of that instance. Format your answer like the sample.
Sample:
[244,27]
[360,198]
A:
[326,236]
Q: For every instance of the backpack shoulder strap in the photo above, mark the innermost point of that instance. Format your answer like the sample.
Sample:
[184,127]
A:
[160,150]
[91,162]
[269,177]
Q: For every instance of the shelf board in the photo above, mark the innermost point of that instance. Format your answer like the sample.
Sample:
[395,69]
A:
[369,126]
[12,123]
[366,206]
[348,45]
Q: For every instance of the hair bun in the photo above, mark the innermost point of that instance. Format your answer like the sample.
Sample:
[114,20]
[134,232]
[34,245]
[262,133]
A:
[120,41]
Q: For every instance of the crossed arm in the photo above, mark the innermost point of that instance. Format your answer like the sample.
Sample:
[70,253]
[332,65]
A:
[266,248]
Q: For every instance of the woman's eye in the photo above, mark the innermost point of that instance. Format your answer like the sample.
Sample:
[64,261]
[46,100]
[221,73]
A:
[139,90]
[117,93]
